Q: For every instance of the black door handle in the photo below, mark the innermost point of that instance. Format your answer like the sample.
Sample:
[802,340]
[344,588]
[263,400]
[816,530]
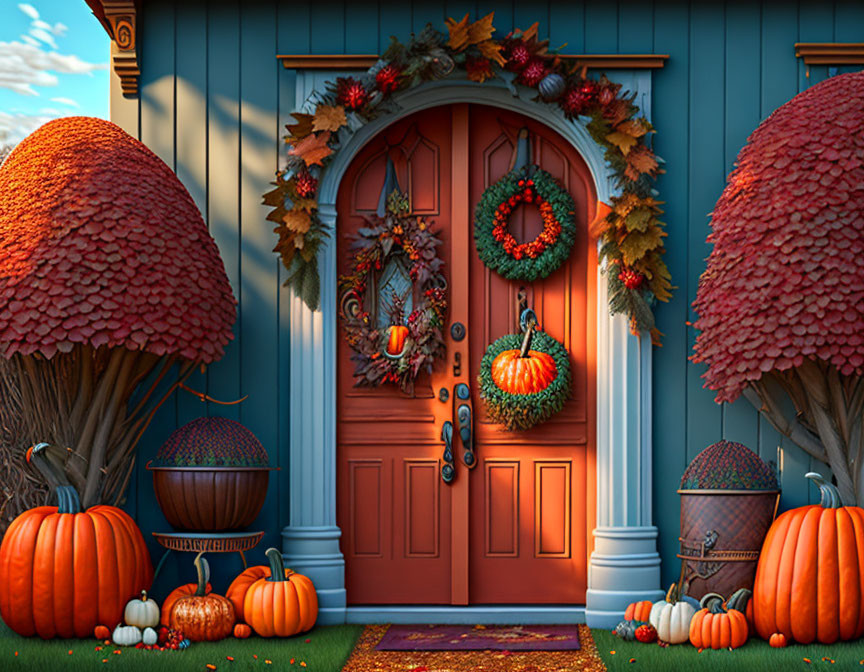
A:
[447,470]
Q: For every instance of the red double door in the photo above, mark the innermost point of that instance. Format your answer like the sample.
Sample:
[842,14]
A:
[515,528]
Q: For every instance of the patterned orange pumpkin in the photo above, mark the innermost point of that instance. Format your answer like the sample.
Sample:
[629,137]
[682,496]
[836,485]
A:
[176,594]
[716,627]
[396,339]
[56,560]
[240,586]
[810,575]
[282,608]
[777,640]
[101,632]
[201,617]
[638,611]
[242,631]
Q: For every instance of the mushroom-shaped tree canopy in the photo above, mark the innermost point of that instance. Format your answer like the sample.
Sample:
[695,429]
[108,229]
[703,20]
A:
[781,303]
[107,275]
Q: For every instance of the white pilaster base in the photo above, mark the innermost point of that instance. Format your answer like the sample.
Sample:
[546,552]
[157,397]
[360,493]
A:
[314,552]
[625,568]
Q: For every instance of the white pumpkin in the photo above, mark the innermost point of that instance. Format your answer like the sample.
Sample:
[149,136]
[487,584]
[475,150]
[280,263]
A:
[149,636]
[143,613]
[126,635]
[671,618]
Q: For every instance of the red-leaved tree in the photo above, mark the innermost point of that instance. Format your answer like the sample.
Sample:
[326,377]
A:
[781,302]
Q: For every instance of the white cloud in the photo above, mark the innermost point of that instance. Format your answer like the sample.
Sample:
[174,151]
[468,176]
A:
[65,101]
[29,10]
[44,36]
[23,66]
[29,40]
[15,126]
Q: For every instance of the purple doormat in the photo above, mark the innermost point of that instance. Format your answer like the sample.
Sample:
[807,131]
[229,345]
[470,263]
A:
[480,638]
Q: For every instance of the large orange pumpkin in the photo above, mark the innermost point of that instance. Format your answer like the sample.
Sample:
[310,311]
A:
[523,374]
[176,594]
[202,617]
[240,586]
[282,607]
[718,627]
[63,572]
[810,578]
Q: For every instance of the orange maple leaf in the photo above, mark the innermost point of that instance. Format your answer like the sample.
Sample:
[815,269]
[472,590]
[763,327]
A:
[640,161]
[481,29]
[301,129]
[297,221]
[329,118]
[492,50]
[458,33]
[622,141]
[633,127]
[313,149]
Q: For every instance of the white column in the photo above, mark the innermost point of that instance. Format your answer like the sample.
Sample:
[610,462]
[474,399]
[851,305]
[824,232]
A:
[310,543]
[625,565]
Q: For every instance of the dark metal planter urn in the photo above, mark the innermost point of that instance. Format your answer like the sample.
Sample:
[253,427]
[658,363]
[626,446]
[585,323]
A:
[211,475]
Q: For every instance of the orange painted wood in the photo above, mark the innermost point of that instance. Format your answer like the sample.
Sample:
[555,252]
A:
[527,510]
[366,61]
[830,53]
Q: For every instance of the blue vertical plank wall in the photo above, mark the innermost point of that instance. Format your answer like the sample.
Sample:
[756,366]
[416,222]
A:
[212,95]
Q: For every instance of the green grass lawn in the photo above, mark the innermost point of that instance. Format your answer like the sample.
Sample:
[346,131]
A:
[754,656]
[326,651]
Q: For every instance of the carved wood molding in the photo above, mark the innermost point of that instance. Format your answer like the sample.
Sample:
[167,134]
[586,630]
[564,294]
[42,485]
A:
[366,61]
[830,53]
[118,17]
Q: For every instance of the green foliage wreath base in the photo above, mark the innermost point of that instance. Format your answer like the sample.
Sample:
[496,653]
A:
[491,251]
[523,411]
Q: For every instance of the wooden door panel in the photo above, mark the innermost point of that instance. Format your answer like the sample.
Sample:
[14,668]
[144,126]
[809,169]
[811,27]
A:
[539,475]
[514,529]
[386,439]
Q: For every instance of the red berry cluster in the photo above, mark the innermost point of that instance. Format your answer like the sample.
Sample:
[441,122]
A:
[631,279]
[168,640]
[578,99]
[305,185]
[551,226]
[519,56]
[534,72]
[351,93]
[387,79]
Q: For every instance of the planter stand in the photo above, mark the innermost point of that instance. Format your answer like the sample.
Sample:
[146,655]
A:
[206,542]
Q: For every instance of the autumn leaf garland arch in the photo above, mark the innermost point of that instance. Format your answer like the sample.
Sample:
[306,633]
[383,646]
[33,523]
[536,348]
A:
[629,229]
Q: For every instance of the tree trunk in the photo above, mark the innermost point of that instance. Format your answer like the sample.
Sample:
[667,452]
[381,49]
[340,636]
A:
[827,422]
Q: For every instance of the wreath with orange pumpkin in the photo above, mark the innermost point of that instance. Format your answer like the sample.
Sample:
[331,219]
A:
[408,344]
[524,378]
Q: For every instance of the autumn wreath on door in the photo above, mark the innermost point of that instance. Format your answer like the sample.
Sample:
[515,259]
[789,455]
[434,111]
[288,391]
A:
[393,300]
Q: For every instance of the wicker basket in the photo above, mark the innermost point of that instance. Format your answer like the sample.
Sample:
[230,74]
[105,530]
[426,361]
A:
[724,524]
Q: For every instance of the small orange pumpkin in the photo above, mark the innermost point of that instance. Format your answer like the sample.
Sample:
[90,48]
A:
[282,607]
[101,632]
[242,631]
[397,334]
[202,617]
[778,640]
[176,594]
[527,374]
[638,611]
[716,626]
[240,586]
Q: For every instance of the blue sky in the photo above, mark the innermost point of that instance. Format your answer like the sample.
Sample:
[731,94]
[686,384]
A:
[53,63]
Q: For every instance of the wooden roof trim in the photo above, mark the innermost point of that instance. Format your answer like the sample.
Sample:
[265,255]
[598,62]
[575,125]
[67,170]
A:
[366,61]
[830,53]
[119,19]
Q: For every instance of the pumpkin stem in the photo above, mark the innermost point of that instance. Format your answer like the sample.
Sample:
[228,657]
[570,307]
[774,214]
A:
[67,500]
[672,594]
[277,565]
[526,342]
[739,600]
[713,602]
[203,568]
[143,595]
[830,494]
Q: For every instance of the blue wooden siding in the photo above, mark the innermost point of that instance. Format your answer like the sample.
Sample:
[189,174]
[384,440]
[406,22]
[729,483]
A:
[212,94]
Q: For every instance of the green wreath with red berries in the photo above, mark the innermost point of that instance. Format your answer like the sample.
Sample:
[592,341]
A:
[497,247]
[409,344]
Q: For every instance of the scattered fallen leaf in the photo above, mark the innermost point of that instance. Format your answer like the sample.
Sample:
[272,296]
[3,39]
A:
[104,660]
[98,648]
[291,661]
[70,652]
[302,664]
[308,640]
[329,118]
[210,666]
[612,653]
[229,658]
[632,660]
[267,661]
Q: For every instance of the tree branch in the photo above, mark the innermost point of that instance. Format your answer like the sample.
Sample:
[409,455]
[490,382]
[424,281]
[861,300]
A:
[758,395]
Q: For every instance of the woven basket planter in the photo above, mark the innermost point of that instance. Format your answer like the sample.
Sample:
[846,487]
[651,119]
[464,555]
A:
[729,499]
[211,475]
